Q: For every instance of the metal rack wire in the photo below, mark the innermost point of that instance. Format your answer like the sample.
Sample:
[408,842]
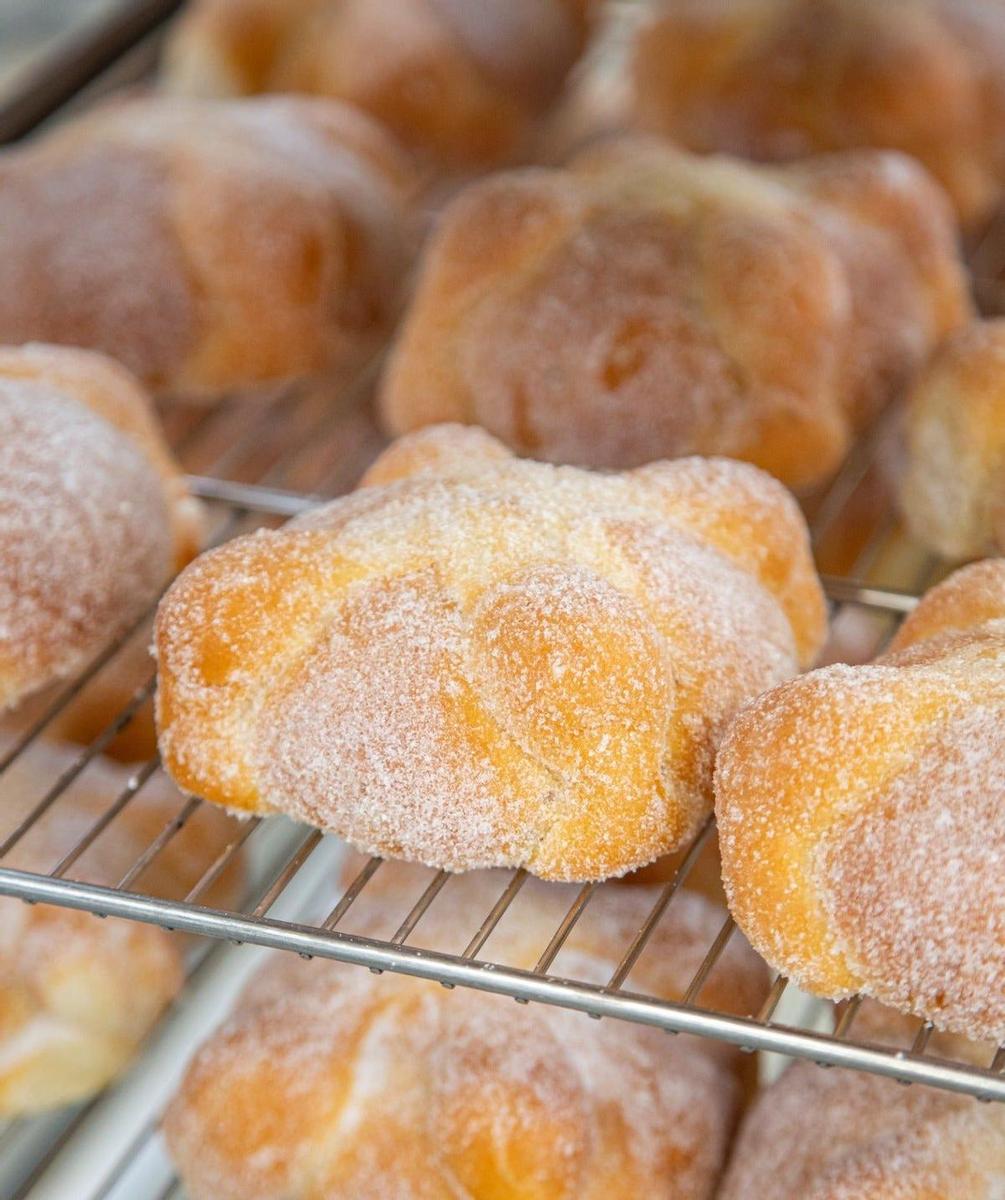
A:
[349,442]
[264,460]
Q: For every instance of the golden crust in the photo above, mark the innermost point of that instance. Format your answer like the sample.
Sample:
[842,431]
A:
[644,301]
[489,661]
[209,247]
[78,994]
[834,1135]
[858,812]
[782,79]
[953,488]
[459,83]
[95,513]
[327,1082]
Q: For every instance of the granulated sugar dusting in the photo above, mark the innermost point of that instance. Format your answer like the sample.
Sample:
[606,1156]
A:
[916,886]
[84,529]
[208,246]
[842,1135]
[645,302]
[329,1082]
[522,665]
[859,816]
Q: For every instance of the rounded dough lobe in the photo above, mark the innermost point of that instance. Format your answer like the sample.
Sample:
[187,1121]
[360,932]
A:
[576,672]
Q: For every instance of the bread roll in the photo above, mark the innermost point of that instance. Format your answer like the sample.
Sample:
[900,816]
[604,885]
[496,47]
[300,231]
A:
[646,303]
[94,513]
[331,1082]
[209,247]
[77,993]
[953,488]
[859,813]
[456,80]
[481,661]
[834,1135]
[781,79]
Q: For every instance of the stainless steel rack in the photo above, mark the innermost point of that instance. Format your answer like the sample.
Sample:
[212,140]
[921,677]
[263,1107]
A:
[258,460]
[327,439]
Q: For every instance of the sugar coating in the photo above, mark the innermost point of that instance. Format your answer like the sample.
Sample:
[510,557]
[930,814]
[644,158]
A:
[78,993]
[493,662]
[952,491]
[459,83]
[780,80]
[858,812]
[842,1135]
[207,247]
[643,302]
[921,888]
[328,1082]
[85,532]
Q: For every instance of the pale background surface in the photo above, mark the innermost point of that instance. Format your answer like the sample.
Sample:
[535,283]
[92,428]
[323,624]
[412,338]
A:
[30,28]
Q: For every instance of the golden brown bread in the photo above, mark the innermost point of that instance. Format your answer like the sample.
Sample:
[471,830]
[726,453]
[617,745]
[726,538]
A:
[839,1135]
[952,492]
[859,813]
[209,247]
[329,1082]
[483,661]
[94,513]
[647,303]
[781,79]
[455,80]
[77,993]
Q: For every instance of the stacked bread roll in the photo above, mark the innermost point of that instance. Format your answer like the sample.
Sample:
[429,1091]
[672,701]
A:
[458,82]
[859,816]
[953,487]
[828,1135]
[94,514]
[333,1082]
[78,994]
[208,247]
[644,302]
[781,79]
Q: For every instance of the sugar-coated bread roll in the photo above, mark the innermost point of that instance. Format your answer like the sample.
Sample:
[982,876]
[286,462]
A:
[781,79]
[859,813]
[208,246]
[457,80]
[77,993]
[845,1135]
[953,488]
[329,1082]
[483,661]
[647,303]
[94,513]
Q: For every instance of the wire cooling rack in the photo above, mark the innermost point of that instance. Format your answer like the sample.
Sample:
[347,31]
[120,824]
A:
[285,453]
[258,461]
